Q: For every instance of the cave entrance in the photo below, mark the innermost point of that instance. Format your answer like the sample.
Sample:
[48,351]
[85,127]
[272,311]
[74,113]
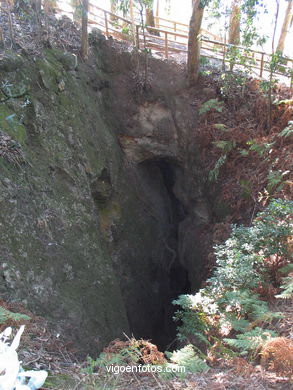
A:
[172,276]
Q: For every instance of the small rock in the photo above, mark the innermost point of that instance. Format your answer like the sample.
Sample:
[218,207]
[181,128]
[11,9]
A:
[61,86]
[11,62]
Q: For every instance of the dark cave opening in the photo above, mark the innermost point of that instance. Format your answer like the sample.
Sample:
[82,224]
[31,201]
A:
[172,277]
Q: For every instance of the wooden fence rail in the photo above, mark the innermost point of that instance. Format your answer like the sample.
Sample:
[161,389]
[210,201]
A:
[166,39]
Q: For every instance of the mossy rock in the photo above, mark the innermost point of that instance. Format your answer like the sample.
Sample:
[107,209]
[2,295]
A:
[11,62]
[50,73]
[61,381]
[10,124]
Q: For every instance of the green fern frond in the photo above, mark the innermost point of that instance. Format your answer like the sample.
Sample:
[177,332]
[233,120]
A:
[212,104]
[6,315]
[250,341]
[214,173]
[288,131]
[226,146]
[287,287]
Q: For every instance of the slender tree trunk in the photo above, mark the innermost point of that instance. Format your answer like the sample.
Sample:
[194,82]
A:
[133,31]
[113,9]
[234,27]
[84,29]
[150,21]
[158,14]
[285,27]
[194,42]
[270,92]
[10,5]
[234,30]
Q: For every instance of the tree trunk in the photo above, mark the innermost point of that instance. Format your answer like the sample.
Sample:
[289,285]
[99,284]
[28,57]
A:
[285,27]
[234,27]
[113,9]
[133,30]
[158,14]
[149,17]
[84,29]
[193,42]
[150,21]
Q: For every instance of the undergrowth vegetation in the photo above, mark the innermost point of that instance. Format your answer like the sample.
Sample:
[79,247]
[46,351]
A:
[8,317]
[247,158]
[231,315]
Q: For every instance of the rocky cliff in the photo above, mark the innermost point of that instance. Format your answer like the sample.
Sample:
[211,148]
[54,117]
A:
[101,194]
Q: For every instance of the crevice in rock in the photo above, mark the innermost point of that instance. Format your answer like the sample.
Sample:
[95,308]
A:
[170,275]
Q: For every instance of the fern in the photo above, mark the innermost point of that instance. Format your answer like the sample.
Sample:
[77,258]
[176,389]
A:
[226,146]
[245,304]
[212,104]
[214,173]
[287,287]
[288,131]
[6,315]
[250,341]
[229,301]
[187,358]
[260,149]
[220,126]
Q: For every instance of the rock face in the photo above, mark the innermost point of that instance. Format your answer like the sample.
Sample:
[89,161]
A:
[107,185]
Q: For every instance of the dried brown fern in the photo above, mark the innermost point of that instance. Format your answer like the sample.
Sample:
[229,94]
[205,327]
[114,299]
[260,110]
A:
[277,354]
[148,352]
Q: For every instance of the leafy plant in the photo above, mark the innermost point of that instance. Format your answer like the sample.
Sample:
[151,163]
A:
[193,326]
[275,178]
[288,131]
[210,105]
[220,126]
[226,146]
[214,173]
[187,357]
[231,301]
[233,85]
[6,315]
[287,283]
[260,149]
[251,341]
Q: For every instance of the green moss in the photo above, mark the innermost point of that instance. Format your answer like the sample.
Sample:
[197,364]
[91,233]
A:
[61,381]
[109,215]
[10,124]
[50,72]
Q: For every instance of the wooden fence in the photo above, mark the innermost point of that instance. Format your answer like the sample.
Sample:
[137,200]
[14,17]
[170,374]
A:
[170,38]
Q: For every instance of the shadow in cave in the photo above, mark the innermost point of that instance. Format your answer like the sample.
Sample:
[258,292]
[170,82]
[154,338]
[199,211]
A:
[171,275]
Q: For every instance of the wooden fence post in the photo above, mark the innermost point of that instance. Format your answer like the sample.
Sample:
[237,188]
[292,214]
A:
[106,23]
[261,64]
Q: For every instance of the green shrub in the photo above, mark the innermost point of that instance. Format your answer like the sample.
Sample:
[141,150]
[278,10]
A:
[251,258]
